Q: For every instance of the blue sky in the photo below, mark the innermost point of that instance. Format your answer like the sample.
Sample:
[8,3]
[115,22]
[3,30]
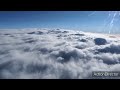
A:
[81,20]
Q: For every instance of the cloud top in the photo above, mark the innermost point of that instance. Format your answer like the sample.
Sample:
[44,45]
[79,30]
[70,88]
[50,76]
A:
[56,54]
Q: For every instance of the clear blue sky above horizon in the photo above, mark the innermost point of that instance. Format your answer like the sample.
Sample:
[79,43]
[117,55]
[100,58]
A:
[83,20]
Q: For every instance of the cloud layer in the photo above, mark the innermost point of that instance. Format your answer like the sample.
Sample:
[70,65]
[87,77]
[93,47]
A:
[56,54]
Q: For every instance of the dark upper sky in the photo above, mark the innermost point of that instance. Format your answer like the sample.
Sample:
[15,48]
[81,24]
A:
[82,20]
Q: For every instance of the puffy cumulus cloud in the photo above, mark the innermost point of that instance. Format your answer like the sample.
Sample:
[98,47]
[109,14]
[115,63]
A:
[56,54]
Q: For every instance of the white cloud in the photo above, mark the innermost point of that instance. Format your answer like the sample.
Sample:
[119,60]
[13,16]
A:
[55,54]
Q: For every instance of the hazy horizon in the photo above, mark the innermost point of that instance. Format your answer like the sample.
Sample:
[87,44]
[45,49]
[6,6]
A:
[90,21]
